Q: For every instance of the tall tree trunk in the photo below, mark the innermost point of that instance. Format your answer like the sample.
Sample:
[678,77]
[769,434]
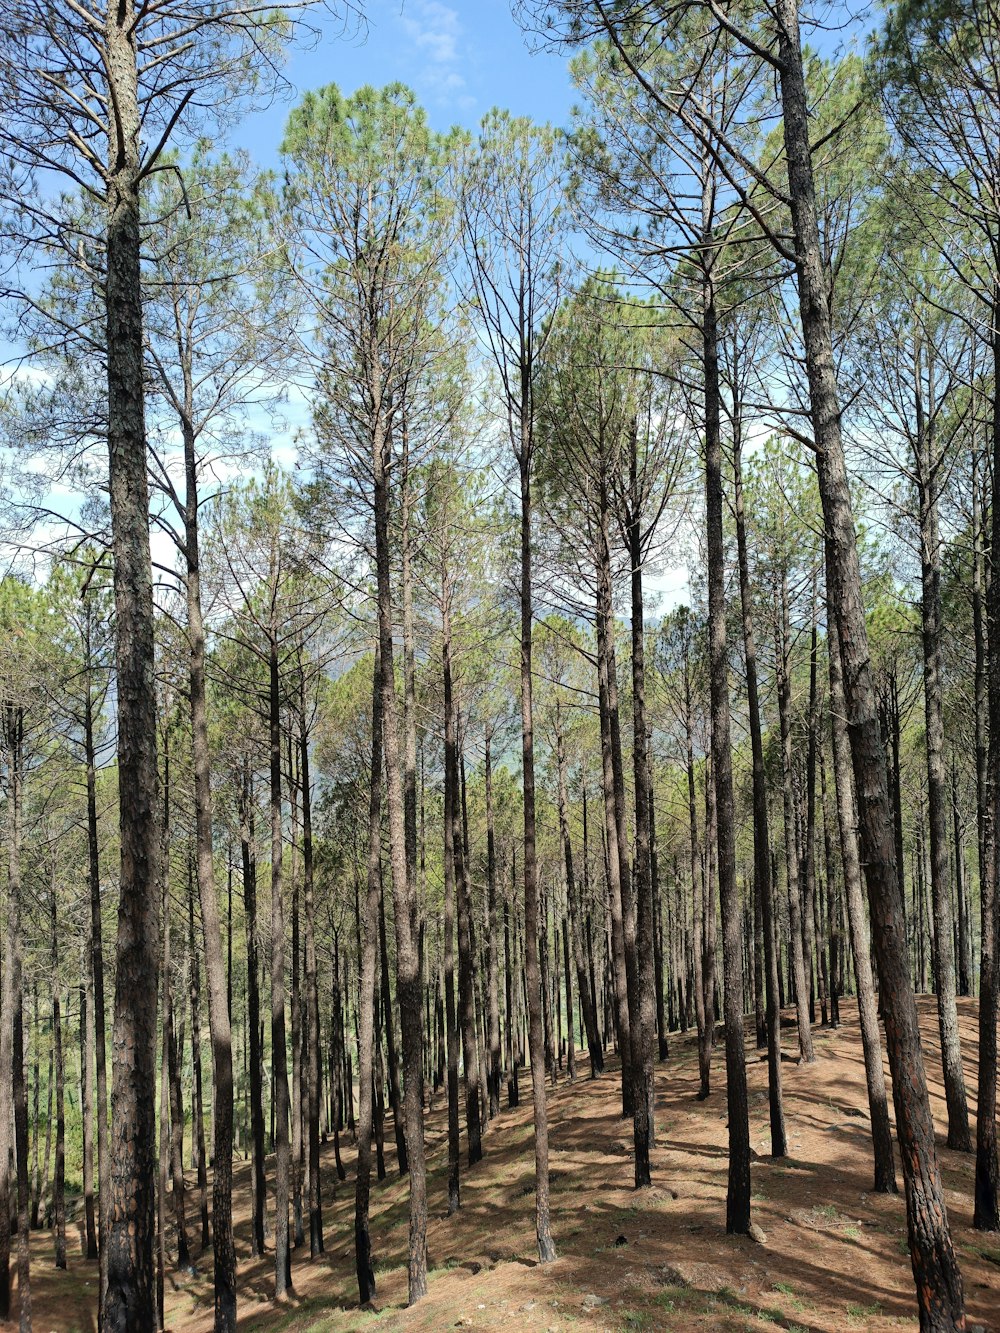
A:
[450,1011]
[614,869]
[987,1211]
[390,1040]
[583,990]
[466,980]
[847,819]
[87,1109]
[662,1023]
[198,1118]
[59,1177]
[366,1016]
[404,894]
[12,1084]
[959,1135]
[313,1063]
[808,870]
[249,858]
[935,1266]
[532,978]
[174,1046]
[738,1191]
[166,1042]
[643,875]
[492,926]
[130,1301]
[510,1022]
[219,1017]
[279,1050]
[96,965]
[763,885]
[20,1089]
[798,960]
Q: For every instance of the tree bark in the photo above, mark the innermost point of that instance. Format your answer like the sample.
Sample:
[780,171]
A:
[130,1301]
[878,1105]
[403,887]
[738,1191]
[763,886]
[219,1018]
[494,1068]
[643,875]
[935,1266]
[366,1016]
[798,960]
[313,1063]
[987,1188]
[536,1039]
[249,858]
[279,1051]
[96,962]
[959,1136]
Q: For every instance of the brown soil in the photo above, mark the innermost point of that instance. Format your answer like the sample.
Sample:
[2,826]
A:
[834,1256]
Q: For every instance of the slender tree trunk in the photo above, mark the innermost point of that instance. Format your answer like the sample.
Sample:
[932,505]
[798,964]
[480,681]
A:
[21,1131]
[878,1105]
[12,1084]
[509,995]
[198,1126]
[959,1135]
[174,1046]
[166,1041]
[130,1301]
[87,1093]
[935,1266]
[279,1050]
[366,1017]
[59,1178]
[96,962]
[763,886]
[390,1041]
[492,926]
[259,1189]
[450,1013]
[313,1063]
[404,895]
[987,1188]
[536,1039]
[643,875]
[616,895]
[738,1192]
[798,960]
[219,1005]
[583,990]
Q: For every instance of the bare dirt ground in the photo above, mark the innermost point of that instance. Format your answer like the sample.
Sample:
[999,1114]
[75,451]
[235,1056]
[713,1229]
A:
[834,1259]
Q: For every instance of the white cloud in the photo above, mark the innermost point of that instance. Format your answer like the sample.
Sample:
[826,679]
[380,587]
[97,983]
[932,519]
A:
[434,29]
[437,40]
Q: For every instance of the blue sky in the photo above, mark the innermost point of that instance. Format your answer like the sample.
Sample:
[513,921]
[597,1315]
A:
[460,58]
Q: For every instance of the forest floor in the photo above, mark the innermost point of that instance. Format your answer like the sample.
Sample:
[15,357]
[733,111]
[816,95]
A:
[834,1256]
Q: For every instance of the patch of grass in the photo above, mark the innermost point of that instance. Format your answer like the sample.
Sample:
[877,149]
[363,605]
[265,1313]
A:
[857,1311]
[852,1233]
[785,1288]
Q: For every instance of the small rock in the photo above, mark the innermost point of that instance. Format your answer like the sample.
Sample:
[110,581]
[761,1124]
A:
[528,1307]
[592,1302]
[756,1233]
